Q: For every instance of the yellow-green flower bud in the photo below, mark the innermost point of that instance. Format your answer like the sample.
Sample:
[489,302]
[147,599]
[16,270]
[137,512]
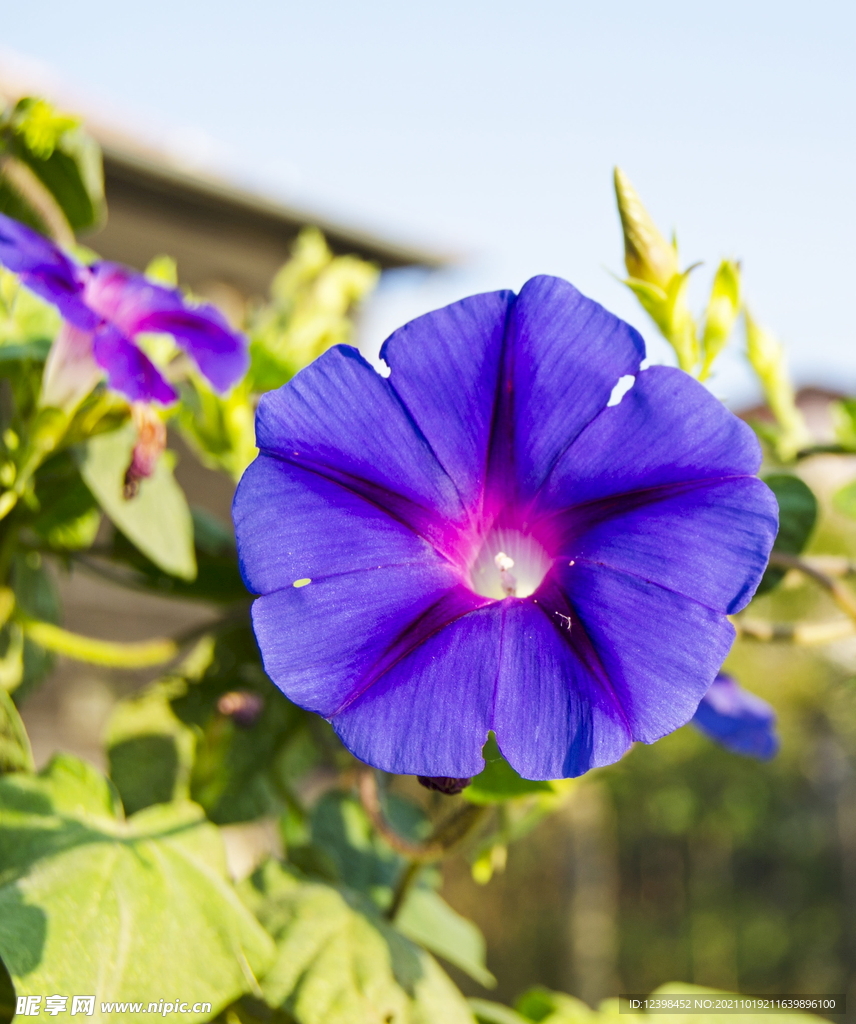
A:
[723,308]
[767,357]
[647,254]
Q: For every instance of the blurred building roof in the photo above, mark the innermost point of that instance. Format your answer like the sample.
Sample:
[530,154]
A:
[216,232]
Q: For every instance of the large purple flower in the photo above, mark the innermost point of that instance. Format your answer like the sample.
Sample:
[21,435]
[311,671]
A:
[737,719]
[105,306]
[483,541]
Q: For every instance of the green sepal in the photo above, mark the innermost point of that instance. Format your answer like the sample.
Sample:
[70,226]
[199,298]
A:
[498,781]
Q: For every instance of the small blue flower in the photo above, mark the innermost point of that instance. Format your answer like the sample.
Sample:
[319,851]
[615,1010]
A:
[484,541]
[737,719]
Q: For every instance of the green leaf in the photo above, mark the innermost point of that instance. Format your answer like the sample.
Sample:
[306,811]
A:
[499,781]
[65,159]
[37,598]
[125,910]
[362,860]
[540,1004]
[157,520]
[218,578]
[488,1012]
[844,418]
[428,920]
[234,768]
[149,750]
[15,752]
[797,516]
[7,996]
[845,500]
[69,516]
[339,962]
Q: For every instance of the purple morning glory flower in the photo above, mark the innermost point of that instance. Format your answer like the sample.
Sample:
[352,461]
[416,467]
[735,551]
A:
[737,719]
[105,306]
[481,541]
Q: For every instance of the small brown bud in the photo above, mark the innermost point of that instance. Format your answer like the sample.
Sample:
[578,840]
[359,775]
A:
[242,706]
[443,784]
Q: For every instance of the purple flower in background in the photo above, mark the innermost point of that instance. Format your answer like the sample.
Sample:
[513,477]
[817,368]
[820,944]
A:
[737,719]
[484,541]
[105,306]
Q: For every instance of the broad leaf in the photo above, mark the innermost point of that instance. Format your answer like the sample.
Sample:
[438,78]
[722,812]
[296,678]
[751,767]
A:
[218,579]
[157,520]
[428,920]
[339,962]
[346,848]
[123,910]
[797,516]
[363,861]
[150,751]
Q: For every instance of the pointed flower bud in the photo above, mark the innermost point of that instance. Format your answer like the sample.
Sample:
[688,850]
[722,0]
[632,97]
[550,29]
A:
[723,307]
[767,357]
[647,255]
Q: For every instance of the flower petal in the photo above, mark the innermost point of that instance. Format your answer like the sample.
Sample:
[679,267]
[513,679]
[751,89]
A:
[45,269]
[737,719]
[292,524]
[129,370]
[667,429]
[70,370]
[553,717]
[430,713]
[445,368]
[565,354]
[134,304]
[653,651]
[664,536]
[326,643]
[342,420]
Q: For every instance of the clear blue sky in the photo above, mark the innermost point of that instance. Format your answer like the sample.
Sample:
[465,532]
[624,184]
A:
[490,129]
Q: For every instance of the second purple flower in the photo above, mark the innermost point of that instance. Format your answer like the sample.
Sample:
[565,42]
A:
[105,306]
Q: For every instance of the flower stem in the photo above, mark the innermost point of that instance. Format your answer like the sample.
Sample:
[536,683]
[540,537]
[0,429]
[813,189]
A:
[402,888]
[447,835]
[839,593]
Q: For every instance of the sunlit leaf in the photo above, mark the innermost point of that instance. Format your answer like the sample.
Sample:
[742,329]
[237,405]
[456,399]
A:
[158,519]
[125,910]
[339,962]
[150,751]
[428,920]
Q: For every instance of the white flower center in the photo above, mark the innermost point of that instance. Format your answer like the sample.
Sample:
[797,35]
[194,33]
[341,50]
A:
[509,564]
